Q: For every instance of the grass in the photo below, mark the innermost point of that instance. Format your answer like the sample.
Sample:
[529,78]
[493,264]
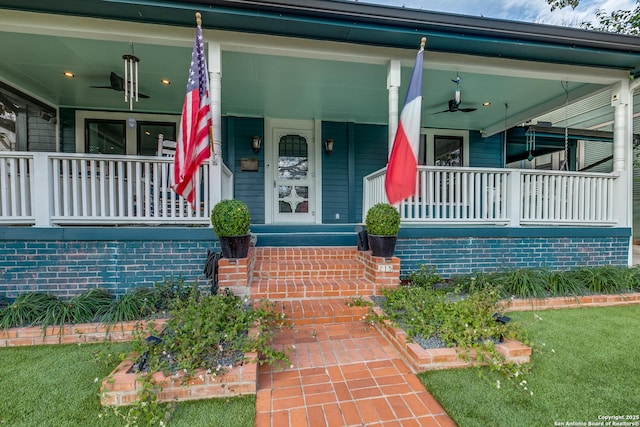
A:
[586,366]
[55,386]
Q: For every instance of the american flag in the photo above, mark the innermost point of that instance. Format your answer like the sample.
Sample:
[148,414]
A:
[192,147]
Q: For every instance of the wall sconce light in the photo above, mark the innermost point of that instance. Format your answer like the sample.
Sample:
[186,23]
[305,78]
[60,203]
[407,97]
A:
[328,145]
[256,143]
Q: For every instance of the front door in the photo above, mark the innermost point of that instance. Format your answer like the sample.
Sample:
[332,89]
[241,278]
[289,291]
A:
[294,176]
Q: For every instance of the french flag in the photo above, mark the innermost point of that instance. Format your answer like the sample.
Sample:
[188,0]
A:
[400,181]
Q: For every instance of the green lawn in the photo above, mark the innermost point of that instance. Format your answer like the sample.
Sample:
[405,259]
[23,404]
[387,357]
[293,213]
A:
[588,366]
[56,386]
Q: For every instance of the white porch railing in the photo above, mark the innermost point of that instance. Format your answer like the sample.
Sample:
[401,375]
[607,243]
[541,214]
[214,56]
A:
[56,188]
[501,197]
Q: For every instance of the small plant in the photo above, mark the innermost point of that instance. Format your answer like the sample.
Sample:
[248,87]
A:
[230,217]
[522,283]
[604,279]
[27,309]
[169,291]
[358,301]
[382,220]
[133,305]
[82,308]
[424,277]
[563,283]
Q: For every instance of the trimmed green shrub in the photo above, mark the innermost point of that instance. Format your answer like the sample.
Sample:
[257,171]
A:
[230,217]
[382,220]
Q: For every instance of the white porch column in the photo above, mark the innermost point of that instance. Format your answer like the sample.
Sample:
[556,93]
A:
[393,83]
[622,153]
[41,184]
[215,94]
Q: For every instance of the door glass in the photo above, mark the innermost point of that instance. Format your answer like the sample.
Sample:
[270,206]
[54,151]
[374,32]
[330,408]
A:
[293,164]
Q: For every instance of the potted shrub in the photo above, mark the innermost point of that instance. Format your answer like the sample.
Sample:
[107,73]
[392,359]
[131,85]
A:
[230,219]
[383,222]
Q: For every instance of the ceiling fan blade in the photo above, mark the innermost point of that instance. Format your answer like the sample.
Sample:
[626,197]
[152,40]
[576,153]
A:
[443,111]
[101,87]
[142,95]
[467,110]
[117,82]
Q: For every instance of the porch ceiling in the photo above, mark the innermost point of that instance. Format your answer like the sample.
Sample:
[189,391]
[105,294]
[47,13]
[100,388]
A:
[268,84]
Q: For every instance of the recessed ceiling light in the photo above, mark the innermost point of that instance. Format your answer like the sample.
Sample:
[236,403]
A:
[147,133]
[68,74]
[486,104]
[165,82]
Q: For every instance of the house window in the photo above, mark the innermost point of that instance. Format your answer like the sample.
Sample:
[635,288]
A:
[148,136]
[447,150]
[105,136]
[443,147]
[123,133]
[26,124]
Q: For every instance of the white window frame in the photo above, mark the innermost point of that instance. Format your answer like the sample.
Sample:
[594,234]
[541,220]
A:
[131,135]
[430,137]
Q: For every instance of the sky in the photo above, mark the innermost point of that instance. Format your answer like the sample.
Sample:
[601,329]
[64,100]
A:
[537,11]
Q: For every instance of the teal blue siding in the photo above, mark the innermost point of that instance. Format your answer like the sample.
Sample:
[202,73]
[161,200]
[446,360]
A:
[371,155]
[248,185]
[358,150]
[485,152]
[335,172]
[67,118]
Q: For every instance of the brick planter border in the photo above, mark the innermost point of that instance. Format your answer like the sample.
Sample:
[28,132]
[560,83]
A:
[446,358]
[121,388]
[75,334]
[422,360]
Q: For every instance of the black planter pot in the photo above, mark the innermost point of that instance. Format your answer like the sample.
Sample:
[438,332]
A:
[382,246]
[235,246]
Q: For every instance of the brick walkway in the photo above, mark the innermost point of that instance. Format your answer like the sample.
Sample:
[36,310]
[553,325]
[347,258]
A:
[343,374]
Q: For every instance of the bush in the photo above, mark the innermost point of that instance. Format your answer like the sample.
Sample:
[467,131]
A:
[382,220]
[522,283]
[27,309]
[133,305]
[424,277]
[230,218]
[605,279]
[212,332]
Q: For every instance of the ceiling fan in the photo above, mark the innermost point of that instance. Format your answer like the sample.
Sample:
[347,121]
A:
[454,104]
[117,84]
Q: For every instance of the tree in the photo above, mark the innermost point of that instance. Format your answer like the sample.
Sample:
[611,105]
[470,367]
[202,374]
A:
[619,21]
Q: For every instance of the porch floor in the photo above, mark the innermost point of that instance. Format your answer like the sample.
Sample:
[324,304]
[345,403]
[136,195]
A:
[342,371]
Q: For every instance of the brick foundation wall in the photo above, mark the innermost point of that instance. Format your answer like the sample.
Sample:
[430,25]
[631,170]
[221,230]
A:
[464,255]
[69,260]
[69,267]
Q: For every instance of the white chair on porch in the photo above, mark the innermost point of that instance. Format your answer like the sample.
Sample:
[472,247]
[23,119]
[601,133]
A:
[164,195]
[166,148]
